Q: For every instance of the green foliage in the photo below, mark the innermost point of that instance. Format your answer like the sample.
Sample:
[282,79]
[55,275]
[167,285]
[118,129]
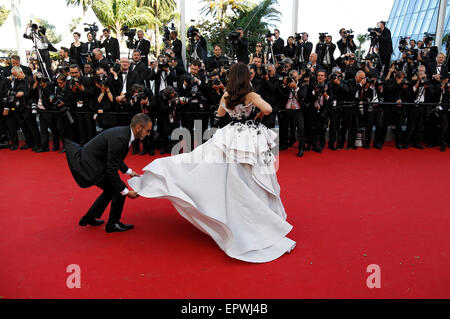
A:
[3,14]
[114,14]
[74,24]
[84,3]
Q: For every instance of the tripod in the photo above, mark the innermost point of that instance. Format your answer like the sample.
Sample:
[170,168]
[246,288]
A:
[270,52]
[41,62]
[374,50]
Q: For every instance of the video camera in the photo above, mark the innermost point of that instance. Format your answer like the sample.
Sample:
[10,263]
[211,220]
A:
[348,34]
[233,37]
[10,97]
[429,37]
[322,36]
[403,44]
[92,28]
[129,33]
[269,34]
[373,31]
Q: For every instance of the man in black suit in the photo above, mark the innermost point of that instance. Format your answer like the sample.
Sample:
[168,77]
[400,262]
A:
[111,46]
[346,43]
[138,67]
[242,47]
[177,47]
[142,45]
[304,49]
[278,43]
[88,47]
[15,61]
[97,163]
[385,44]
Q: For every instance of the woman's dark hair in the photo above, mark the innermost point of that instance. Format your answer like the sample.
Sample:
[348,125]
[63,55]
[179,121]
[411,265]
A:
[238,85]
[78,34]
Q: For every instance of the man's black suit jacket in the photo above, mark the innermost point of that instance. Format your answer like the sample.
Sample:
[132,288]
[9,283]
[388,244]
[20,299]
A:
[112,48]
[100,158]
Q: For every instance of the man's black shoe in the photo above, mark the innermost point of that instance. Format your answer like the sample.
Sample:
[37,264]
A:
[143,153]
[62,151]
[378,146]
[420,147]
[55,149]
[398,146]
[367,147]
[13,147]
[35,149]
[163,151]
[300,153]
[283,147]
[151,152]
[93,222]
[443,148]
[332,147]
[117,227]
[25,147]
[317,150]
[42,150]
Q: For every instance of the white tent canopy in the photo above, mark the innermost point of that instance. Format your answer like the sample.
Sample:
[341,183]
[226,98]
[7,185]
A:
[11,32]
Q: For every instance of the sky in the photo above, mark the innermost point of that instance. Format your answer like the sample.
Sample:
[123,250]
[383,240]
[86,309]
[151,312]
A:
[313,16]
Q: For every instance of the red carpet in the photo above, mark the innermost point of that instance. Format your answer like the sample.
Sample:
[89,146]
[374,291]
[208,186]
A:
[349,209]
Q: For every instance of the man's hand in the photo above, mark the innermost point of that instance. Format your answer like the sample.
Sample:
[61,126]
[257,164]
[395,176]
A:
[5,112]
[134,174]
[132,195]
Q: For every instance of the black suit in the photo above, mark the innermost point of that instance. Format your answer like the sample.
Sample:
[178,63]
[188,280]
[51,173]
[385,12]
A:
[303,51]
[97,163]
[385,44]
[112,49]
[242,51]
[347,45]
[144,47]
[278,46]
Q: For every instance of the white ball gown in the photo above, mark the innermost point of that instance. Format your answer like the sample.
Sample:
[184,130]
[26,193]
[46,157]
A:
[227,187]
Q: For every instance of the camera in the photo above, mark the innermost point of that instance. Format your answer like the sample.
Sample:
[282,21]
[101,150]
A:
[269,34]
[373,31]
[192,31]
[263,71]
[233,36]
[73,82]
[64,68]
[139,97]
[130,33]
[185,99]
[290,79]
[322,87]
[92,28]
[403,43]
[102,79]
[322,36]
[163,64]
[11,96]
[216,81]
[298,36]
[34,108]
[167,31]
[348,34]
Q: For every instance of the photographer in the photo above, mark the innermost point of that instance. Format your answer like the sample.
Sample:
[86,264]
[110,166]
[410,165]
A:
[167,105]
[15,61]
[177,47]
[140,103]
[138,67]
[242,47]
[292,116]
[122,81]
[355,90]
[320,102]
[43,44]
[216,89]
[346,44]
[277,43]
[100,60]
[258,53]
[142,45]
[325,52]
[216,61]
[437,69]
[192,89]
[385,44]
[289,49]
[337,94]
[111,46]
[428,52]
[47,118]
[59,101]
[373,113]
[198,48]
[26,119]
[393,114]
[105,100]
[162,75]
[88,47]
[82,98]
[271,93]
[303,48]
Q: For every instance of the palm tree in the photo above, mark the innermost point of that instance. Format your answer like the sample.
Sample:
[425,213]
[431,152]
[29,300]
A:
[218,8]
[115,14]
[84,3]
[257,20]
[161,9]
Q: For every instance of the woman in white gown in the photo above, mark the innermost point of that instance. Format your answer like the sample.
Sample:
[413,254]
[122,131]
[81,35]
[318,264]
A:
[227,187]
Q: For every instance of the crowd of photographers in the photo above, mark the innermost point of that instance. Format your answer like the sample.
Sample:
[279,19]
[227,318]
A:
[311,91]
